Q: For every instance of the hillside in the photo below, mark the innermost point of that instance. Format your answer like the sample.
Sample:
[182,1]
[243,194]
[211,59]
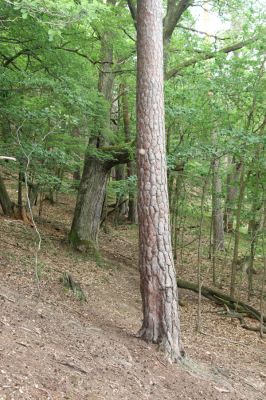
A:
[53,346]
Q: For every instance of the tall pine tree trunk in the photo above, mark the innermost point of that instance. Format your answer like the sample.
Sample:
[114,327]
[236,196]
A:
[157,274]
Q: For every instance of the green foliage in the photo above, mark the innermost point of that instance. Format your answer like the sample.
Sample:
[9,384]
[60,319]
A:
[50,105]
[123,187]
[47,111]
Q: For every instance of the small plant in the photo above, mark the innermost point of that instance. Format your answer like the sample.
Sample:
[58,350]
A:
[39,270]
[70,284]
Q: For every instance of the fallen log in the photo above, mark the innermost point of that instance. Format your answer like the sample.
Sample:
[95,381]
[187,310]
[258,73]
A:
[223,300]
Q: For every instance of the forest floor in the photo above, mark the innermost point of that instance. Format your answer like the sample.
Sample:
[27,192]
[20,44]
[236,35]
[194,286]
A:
[53,346]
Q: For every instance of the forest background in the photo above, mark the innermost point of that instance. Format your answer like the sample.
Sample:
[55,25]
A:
[67,97]
[68,117]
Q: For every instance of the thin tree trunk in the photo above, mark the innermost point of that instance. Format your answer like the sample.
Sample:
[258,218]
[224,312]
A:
[232,181]
[172,188]
[50,196]
[76,174]
[6,203]
[257,207]
[181,228]
[21,212]
[174,208]
[121,205]
[262,295]
[210,238]
[251,262]
[199,258]
[242,185]
[218,226]
[131,168]
[217,212]
[33,195]
[157,274]
[175,218]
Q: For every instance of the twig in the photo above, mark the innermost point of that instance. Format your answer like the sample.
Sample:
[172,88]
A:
[29,330]
[23,344]
[160,361]
[248,383]
[201,32]
[192,241]
[6,298]
[14,245]
[67,364]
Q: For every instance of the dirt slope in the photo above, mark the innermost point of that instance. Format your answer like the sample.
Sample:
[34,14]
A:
[53,346]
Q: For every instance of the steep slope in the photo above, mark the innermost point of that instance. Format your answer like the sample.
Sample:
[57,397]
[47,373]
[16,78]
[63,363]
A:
[52,346]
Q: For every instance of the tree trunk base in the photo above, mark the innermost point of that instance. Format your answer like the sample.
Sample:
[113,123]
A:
[84,246]
[174,352]
[21,214]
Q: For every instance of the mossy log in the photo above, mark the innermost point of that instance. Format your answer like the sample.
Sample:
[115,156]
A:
[223,300]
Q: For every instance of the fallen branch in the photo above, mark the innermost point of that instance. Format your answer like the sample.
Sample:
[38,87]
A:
[223,299]
[14,244]
[252,328]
